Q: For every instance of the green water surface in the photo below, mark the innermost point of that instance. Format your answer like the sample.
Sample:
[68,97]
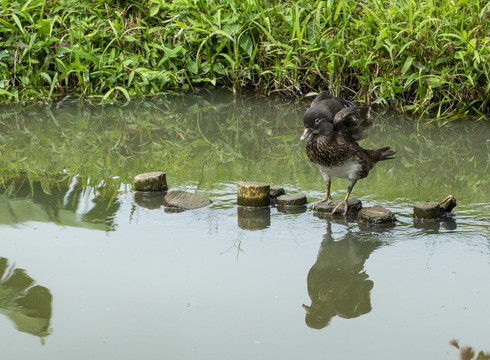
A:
[90,268]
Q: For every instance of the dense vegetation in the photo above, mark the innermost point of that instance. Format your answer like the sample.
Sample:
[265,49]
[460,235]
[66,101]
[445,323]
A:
[421,56]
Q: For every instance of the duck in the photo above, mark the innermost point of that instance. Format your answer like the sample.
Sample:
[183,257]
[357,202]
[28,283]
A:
[332,130]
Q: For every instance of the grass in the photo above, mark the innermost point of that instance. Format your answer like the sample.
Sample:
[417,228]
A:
[423,57]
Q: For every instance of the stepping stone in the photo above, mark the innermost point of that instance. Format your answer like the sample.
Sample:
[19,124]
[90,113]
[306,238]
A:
[448,204]
[186,200]
[291,200]
[355,205]
[427,210]
[152,181]
[376,215]
[253,194]
[276,191]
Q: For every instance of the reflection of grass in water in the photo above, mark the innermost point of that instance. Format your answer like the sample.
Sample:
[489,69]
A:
[27,304]
[433,161]
[216,138]
[467,353]
[102,143]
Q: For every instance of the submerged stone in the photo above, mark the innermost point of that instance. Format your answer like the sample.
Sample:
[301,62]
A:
[253,194]
[185,200]
[152,181]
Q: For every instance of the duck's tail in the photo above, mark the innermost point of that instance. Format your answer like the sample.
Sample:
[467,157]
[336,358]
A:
[385,153]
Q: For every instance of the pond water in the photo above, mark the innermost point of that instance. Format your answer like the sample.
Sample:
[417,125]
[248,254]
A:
[90,268]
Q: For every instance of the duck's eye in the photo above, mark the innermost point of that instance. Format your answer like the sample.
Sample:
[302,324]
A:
[317,121]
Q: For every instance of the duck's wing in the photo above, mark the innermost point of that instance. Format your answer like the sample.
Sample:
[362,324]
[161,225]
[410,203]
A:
[321,97]
[353,121]
[333,102]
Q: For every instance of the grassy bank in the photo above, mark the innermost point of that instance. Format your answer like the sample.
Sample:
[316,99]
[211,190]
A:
[427,56]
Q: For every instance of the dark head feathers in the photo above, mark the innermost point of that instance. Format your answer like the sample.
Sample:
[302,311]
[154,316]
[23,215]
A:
[346,118]
[317,120]
[317,112]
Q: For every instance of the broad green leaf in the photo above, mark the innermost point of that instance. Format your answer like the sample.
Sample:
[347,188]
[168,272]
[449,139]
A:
[154,10]
[246,44]
[407,64]
[17,21]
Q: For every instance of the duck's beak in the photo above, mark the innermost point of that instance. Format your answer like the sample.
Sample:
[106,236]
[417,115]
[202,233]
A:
[306,133]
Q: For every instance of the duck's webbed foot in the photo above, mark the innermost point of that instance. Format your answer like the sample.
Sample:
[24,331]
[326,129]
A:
[344,202]
[346,207]
[325,200]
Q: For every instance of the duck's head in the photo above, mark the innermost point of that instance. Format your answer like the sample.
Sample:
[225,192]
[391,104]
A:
[317,120]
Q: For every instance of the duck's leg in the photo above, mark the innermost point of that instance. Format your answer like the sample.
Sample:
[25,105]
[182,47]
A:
[344,202]
[327,199]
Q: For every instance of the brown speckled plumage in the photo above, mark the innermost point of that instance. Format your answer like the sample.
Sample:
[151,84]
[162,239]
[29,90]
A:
[335,150]
[332,129]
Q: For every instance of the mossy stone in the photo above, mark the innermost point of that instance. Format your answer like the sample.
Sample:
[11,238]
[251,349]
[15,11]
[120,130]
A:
[376,215]
[291,200]
[186,200]
[277,191]
[253,194]
[354,206]
[152,181]
[448,204]
[427,210]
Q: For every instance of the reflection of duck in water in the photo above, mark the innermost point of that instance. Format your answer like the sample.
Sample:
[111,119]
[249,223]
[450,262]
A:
[337,283]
